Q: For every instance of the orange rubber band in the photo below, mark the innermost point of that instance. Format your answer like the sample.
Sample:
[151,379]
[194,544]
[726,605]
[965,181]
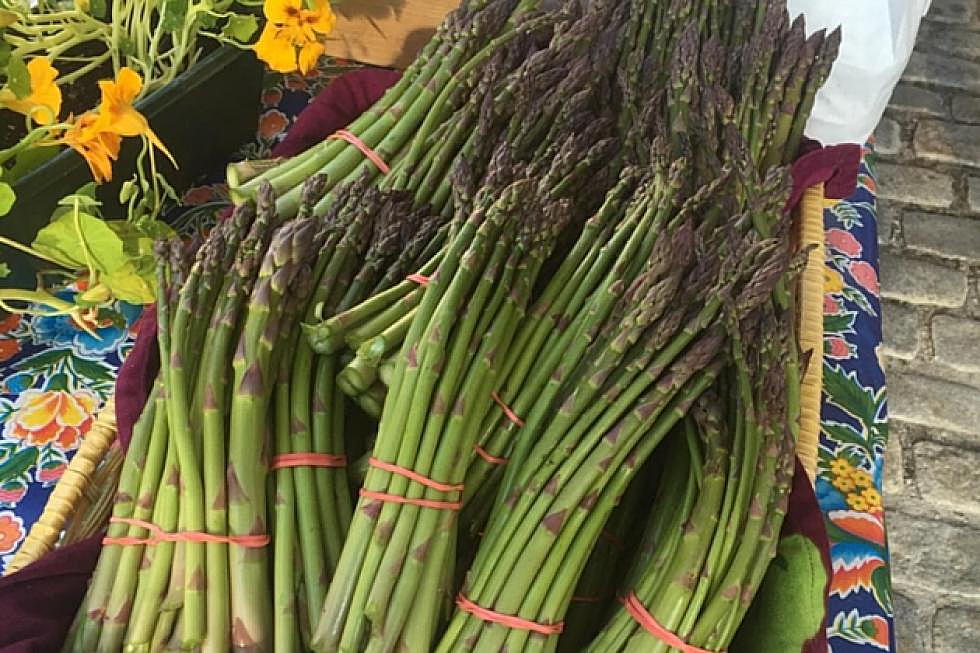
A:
[415,476]
[511,415]
[422,503]
[372,156]
[157,535]
[420,279]
[506,620]
[649,624]
[307,460]
[489,457]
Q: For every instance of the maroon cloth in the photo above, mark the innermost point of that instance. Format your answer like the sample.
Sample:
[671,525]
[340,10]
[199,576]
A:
[338,105]
[38,603]
[836,167]
[136,375]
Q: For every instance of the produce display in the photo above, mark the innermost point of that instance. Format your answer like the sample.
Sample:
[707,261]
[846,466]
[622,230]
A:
[538,304]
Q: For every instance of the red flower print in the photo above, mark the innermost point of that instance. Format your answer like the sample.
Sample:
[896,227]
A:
[831,306]
[11,532]
[12,495]
[9,323]
[51,474]
[272,123]
[296,83]
[880,626]
[844,242]
[838,348]
[271,97]
[9,347]
[198,195]
[866,276]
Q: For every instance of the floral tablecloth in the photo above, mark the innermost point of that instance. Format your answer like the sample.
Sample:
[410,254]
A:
[54,378]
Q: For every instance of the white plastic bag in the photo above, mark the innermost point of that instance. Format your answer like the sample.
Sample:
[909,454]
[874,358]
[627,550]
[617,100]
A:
[878,37]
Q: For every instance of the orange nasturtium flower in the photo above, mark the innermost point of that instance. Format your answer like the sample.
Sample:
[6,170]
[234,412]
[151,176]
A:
[97,135]
[98,147]
[290,40]
[43,103]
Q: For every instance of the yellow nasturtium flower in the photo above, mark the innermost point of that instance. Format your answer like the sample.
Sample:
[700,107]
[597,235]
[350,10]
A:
[97,135]
[290,40]
[44,101]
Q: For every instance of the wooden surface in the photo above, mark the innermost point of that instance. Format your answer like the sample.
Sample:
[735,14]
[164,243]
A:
[385,32]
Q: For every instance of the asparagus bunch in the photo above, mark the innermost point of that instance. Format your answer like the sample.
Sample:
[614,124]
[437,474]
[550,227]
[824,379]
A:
[581,237]
[428,94]
[703,573]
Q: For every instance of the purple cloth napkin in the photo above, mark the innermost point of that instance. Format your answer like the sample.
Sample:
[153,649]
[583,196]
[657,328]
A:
[836,167]
[136,376]
[338,105]
[39,602]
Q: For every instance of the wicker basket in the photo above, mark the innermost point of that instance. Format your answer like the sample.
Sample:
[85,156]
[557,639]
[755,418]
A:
[86,489]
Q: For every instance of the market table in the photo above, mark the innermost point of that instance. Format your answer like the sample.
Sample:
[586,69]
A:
[56,377]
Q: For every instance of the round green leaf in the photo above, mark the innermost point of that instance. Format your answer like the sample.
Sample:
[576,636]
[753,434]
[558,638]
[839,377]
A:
[18,79]
[7,198]
[241,28]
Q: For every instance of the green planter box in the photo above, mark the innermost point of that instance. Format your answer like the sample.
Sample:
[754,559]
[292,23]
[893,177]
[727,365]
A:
[203,116]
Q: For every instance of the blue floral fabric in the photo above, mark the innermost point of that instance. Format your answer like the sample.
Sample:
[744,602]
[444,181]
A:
[854,427]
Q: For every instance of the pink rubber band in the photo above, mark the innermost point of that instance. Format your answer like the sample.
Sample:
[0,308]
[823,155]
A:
[372,156]
[511,415]
[422,503]
[157,535]
[649,624]
[307,460]
[415,476]
[420,279]
[489,457]
[506,620]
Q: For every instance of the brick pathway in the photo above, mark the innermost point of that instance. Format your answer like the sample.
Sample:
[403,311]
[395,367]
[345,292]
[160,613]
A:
[930,233]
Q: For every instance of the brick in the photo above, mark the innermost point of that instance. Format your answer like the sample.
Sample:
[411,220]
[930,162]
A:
[910,636]
[894,474]
[889,221]
[921,282]
[966,108]
[947,474]
[955,630]
[913,185]
[934,552]
[943,235]
[957,343]
[953,41]
[934,402]
[900,323]
[918,100]
[939,69]
[947,142]
[975,194]
[888,137]
[952,11]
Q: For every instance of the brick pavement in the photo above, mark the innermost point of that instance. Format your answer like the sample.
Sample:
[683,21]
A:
[929,177]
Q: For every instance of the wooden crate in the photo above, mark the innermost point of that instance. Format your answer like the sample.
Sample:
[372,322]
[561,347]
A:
[385,32]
